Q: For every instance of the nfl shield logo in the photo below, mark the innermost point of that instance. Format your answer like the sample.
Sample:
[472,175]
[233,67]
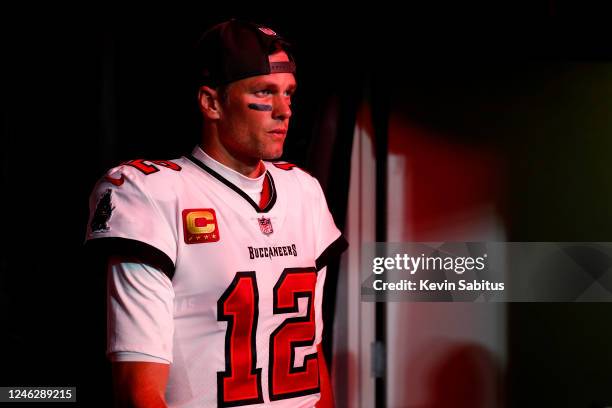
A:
[265,225]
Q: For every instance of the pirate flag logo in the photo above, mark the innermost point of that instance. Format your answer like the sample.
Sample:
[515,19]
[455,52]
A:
[265,225]
[104,210]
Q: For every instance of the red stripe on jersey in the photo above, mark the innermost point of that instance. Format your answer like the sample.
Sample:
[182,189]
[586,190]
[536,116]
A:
[285,166]
[119,181]
[266,192]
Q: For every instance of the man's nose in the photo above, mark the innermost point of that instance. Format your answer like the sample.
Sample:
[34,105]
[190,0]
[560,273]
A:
[282,108]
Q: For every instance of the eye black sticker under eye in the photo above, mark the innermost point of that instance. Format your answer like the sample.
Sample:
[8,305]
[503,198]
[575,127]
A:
[260,107]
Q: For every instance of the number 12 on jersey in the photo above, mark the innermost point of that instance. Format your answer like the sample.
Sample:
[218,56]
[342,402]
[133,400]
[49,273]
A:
[240,383]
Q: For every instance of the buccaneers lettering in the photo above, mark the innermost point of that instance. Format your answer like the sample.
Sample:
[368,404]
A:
[270,252]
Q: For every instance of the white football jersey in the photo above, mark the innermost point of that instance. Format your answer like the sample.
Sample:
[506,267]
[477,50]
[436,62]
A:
[245,283]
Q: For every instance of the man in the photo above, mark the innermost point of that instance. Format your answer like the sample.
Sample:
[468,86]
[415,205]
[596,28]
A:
[217,260]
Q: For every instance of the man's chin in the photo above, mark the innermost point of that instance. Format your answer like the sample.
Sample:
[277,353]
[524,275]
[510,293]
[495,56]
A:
[275,155]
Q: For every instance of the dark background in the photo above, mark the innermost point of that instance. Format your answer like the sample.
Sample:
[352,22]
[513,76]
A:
[84,89]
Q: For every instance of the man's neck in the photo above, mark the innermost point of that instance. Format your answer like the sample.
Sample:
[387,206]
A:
[251,169]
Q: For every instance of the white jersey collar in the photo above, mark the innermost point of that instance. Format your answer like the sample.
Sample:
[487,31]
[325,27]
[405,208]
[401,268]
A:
[251,186]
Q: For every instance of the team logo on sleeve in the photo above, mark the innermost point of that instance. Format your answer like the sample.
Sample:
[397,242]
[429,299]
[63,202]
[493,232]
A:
[104,210]
[200,226]
[265,225]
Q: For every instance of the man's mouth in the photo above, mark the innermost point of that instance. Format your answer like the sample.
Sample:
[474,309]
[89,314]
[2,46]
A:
[279,131]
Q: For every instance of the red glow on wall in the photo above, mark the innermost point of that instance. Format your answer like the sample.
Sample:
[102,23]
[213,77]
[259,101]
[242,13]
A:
[444,177]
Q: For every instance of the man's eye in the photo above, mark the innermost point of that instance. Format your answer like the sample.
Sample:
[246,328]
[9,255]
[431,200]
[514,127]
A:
[264,92]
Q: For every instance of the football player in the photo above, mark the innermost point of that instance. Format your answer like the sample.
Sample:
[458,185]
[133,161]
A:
[217,259]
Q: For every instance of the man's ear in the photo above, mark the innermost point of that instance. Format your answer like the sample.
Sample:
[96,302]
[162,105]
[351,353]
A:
[208,99]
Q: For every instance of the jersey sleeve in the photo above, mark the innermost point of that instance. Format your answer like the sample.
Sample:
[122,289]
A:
[140,301]
[330,244]
[125,216]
